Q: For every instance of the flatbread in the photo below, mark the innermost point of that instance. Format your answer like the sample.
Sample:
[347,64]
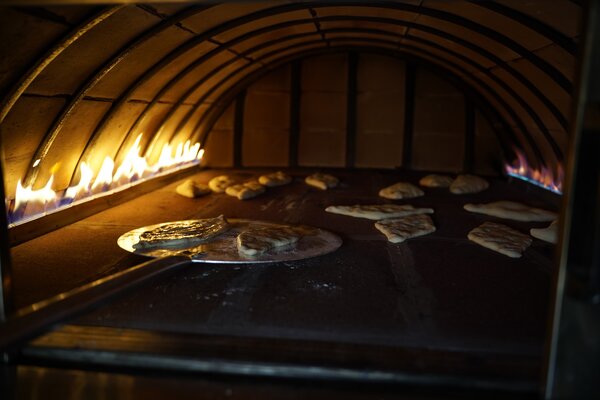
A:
[378,211]
[464,184]
[436,181]
[501,239]
[192,189]
[218,184]
[401,190]
[322,181]
[183,234]
[512,210]
[275,179]
[257,241]
[548,234]
[397,230]
[246,190]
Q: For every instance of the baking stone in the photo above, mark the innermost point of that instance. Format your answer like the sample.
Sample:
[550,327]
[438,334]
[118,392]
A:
[223,248]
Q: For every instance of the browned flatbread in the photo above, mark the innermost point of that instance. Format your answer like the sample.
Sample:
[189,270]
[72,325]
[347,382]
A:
[257,241]
[183,234]
[192,189]
[397,230]
[246,190]
[501,239]
[401,190]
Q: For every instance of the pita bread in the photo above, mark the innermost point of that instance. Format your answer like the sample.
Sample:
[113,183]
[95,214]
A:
[436,181]
[275,179]
[548,234]
[257,241]
[378,211]
[322,181]
[512,210]
[501,239]
[401,190]
[464,184]
[246,190]
[397,230]
[192,189]
[218,184]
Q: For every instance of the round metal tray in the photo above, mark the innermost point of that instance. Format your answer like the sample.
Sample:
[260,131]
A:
[223,248]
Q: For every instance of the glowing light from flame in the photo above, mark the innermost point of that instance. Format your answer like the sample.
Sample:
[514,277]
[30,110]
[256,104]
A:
[544,177]
[30,203]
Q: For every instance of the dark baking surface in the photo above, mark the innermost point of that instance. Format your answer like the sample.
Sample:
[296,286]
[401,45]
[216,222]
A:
[439,291]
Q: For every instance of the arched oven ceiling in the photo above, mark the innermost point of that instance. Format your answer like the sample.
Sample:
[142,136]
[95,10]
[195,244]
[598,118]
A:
[170,70]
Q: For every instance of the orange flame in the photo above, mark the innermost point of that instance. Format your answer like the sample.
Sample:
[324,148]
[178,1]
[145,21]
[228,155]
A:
[544,177]
[31,203]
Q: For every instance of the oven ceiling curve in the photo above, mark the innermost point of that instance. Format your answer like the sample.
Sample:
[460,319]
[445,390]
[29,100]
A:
[169,69]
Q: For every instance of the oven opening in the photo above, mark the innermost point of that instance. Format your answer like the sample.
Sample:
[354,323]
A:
[416,170]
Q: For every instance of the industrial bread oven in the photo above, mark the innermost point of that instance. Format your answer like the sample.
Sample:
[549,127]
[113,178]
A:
[108,108]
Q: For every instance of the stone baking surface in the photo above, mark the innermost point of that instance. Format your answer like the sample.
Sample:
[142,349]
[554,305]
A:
[435,291]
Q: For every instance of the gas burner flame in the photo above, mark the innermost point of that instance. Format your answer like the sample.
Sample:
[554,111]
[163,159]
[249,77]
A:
[544,177]
[31,204]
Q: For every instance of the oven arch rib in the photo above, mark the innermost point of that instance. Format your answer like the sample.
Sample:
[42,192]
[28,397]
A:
[532,111]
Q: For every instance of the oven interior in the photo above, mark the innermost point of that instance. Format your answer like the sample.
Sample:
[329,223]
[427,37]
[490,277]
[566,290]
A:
[107,108]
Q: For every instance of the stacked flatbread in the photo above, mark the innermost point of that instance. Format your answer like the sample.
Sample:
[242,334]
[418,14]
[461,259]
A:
[401,190]
[378,211]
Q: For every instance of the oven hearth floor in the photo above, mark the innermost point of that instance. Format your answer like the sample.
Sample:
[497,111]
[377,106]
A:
[439,291]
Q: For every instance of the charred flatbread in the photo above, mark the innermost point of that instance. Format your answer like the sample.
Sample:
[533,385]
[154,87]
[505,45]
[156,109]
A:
[182,234]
